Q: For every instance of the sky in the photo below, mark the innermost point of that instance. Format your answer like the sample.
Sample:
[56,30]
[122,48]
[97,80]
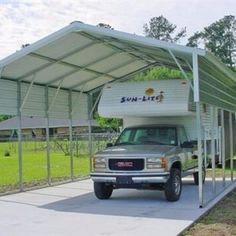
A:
[26,21]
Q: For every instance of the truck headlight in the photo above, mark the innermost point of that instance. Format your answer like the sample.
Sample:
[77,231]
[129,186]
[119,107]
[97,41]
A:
[156,162]
[99,163]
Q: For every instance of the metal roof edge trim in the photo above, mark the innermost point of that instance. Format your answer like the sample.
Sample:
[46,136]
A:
[36,45]
[137,38]
[221,65]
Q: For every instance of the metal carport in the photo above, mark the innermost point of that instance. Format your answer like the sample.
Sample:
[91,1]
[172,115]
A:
[56,77]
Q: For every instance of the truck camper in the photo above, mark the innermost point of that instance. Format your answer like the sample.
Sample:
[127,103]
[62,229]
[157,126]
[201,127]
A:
[158,144]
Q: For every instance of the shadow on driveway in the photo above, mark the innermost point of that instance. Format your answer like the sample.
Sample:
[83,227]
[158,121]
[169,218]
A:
[133,203]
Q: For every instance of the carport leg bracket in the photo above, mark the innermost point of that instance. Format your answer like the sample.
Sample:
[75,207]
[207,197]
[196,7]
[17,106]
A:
[180,67]
[55,96]
[28,92]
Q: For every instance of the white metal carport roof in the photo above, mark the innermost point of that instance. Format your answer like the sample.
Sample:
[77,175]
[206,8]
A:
[83,58]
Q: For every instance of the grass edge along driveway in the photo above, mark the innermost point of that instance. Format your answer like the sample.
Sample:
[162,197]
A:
[219,221]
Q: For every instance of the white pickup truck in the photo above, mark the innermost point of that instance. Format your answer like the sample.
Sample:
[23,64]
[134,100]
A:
[156,148]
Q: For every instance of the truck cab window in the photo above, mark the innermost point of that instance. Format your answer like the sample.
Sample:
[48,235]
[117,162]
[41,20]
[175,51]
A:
[182,135]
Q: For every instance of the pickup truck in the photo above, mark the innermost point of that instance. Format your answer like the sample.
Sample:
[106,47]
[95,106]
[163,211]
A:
[146,157]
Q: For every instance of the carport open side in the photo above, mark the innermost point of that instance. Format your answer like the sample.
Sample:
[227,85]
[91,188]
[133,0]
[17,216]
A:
[57,76]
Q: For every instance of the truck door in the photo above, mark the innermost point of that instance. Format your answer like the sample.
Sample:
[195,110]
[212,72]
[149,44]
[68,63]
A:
[191,161]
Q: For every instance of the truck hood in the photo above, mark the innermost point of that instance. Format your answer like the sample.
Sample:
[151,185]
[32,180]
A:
[137,150]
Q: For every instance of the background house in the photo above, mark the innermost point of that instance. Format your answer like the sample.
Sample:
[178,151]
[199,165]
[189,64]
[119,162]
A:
[35,127]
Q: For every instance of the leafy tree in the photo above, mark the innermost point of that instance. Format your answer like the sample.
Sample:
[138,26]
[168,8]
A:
[112,123]
[160,28]
[219,38]
[159,73]
[105,26]
[25,45]
[4,117]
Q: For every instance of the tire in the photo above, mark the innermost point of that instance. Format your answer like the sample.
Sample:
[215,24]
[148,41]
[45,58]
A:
[196,179]
[102,190]
[173,186]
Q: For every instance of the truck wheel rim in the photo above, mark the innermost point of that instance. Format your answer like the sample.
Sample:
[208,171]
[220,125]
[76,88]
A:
[177,185]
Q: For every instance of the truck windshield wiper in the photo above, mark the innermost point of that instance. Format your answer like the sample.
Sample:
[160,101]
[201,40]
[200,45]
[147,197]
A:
[124,143]
[152,142]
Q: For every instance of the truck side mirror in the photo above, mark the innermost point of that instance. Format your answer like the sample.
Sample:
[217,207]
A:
[109,145]
[187,144]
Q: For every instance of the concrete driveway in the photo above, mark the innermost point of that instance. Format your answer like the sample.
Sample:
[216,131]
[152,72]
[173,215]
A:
[71,209]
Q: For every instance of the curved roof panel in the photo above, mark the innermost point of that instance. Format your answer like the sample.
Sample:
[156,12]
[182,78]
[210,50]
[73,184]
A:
[82,57]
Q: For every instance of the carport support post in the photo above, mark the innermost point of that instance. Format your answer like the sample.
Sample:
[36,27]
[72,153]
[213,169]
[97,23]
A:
[47,137]
[91,108]
[90,115]
[213,139]
[198,118]
[231,145]
[71,136]
[20,166]
[222,123]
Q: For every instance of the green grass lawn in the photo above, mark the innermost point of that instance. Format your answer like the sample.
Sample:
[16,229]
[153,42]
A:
[220,221]
[35,164]
[219,172]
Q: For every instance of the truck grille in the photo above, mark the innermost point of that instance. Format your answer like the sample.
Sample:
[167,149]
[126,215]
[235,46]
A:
[126,164]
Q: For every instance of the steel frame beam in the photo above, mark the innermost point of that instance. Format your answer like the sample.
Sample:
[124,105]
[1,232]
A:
[134,49]
[126,77]
[154,58]
[108,44]
[82,69]
[70,65]
[55,62]
[109,71]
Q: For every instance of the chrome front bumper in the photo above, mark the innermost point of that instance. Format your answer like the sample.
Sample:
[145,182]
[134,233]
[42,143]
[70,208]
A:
[138,178]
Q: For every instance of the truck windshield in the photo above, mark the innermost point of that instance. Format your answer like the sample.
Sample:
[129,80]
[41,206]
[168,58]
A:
[148,136]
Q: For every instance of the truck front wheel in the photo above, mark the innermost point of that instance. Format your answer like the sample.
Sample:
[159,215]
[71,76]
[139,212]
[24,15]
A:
[102,190]
[173,186]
